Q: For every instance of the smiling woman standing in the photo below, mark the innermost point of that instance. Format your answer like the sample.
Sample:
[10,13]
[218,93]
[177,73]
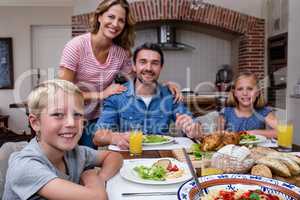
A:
[92,60]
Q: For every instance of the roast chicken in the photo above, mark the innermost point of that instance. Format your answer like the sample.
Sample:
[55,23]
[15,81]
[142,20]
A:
[217,140]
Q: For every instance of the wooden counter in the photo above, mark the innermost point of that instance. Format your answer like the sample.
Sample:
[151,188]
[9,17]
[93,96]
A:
[200,104]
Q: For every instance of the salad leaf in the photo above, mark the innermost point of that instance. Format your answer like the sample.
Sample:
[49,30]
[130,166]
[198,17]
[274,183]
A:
[198,153]
[154,172]
[154,139]
[248,137]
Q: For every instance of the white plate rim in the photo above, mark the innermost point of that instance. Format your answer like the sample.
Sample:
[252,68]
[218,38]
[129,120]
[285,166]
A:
[260,139]
[186,186]
[170,139]
[127,172]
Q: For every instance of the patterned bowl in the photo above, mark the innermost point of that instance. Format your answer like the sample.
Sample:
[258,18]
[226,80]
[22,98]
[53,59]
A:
[232,182]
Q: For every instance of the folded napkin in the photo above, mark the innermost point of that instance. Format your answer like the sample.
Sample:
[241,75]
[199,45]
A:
[180,142]
[272,143]
[118,185]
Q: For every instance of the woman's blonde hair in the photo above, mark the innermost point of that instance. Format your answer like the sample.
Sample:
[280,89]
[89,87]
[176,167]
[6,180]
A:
[233,102]
[126,38]
[38,98]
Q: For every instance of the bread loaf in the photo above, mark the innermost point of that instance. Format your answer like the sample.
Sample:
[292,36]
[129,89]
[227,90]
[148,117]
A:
[278,167]
[261,170]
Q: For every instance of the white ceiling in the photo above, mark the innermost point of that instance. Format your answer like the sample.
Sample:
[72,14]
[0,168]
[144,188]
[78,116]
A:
[36,2]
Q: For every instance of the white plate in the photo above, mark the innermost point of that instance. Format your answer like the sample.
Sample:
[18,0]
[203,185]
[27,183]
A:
[233,182]
[260,139]
[127,171]
[170,139]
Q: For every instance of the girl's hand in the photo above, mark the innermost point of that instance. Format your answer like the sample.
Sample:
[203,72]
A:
[173,87]
[114,89]
[121,140]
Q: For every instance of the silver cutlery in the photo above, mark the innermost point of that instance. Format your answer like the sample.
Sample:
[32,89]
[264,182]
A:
[195,177]
[148,194]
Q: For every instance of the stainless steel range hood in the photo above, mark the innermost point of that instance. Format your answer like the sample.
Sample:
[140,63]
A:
[166,35]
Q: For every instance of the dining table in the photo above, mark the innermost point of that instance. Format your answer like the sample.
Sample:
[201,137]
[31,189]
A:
[117,185]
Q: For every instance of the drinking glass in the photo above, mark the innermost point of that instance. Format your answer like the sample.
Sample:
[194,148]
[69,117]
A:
[135,142]
[285,136]
[207,168]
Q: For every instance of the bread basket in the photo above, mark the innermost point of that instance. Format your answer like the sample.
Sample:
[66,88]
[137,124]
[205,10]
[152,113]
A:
[230,164]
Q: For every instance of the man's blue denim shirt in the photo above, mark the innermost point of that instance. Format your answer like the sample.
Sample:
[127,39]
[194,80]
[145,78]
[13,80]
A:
[126,111]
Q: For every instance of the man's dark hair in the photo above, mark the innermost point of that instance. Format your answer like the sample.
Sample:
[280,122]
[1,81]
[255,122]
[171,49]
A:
[149,46]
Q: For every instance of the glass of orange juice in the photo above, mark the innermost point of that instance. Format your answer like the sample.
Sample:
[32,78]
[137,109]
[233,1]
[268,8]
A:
[135,142]
[207,169]
[285,136]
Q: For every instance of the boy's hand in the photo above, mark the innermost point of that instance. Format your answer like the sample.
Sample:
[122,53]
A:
[91,179]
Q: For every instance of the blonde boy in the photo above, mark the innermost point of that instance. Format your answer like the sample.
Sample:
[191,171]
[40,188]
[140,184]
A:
[52,165]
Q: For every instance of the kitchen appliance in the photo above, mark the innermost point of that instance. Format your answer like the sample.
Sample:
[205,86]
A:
[166,35]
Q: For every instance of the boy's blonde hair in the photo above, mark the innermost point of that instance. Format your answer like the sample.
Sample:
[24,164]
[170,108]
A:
[38,98]
[233,102]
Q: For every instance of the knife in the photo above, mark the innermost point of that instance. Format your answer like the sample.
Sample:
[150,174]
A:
[148,194]
[191,168]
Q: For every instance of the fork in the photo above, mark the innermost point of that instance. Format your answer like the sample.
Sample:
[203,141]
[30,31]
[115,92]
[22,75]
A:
[195,177]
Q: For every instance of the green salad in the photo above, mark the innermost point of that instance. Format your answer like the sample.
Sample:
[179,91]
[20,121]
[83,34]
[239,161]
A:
[196,151]
[154,139]
[154,172]
[248,137]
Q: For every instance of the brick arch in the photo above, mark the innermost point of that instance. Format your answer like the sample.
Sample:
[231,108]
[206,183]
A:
[251,29]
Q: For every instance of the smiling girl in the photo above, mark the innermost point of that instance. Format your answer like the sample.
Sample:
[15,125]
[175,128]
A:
[52,165]
[246,109]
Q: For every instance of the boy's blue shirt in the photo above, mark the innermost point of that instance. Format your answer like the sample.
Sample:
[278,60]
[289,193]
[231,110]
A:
[126,111]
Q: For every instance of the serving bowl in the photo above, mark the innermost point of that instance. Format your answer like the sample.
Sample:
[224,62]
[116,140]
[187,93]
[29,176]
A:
[233,182]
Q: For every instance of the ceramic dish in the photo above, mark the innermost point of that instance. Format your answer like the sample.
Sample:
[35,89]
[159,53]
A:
[128,173]
[169,139]
[233,182]
[259,139]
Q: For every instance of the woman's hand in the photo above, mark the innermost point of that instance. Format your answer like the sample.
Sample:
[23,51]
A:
[175,90]
[114,89]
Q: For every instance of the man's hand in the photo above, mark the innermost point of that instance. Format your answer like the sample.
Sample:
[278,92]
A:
[185,123]
[121,140]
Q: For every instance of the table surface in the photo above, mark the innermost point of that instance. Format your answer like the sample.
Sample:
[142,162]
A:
[169,153]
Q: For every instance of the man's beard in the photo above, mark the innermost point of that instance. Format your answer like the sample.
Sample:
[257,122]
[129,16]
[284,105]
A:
[147,82]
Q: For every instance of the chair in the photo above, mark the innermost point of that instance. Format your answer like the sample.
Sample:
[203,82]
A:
[7,135]
[5,151]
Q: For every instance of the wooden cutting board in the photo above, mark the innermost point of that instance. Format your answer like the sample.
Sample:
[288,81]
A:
[178,154]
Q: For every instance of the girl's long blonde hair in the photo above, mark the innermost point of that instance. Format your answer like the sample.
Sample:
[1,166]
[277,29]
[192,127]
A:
[233,102]
[126,38]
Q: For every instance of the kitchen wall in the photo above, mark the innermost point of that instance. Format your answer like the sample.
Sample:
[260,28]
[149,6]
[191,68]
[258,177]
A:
[211,50]
[250,7]
[293,104]
[192,68]
[15,22]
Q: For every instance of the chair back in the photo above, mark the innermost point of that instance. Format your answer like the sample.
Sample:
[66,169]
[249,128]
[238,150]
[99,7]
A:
[5,151]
